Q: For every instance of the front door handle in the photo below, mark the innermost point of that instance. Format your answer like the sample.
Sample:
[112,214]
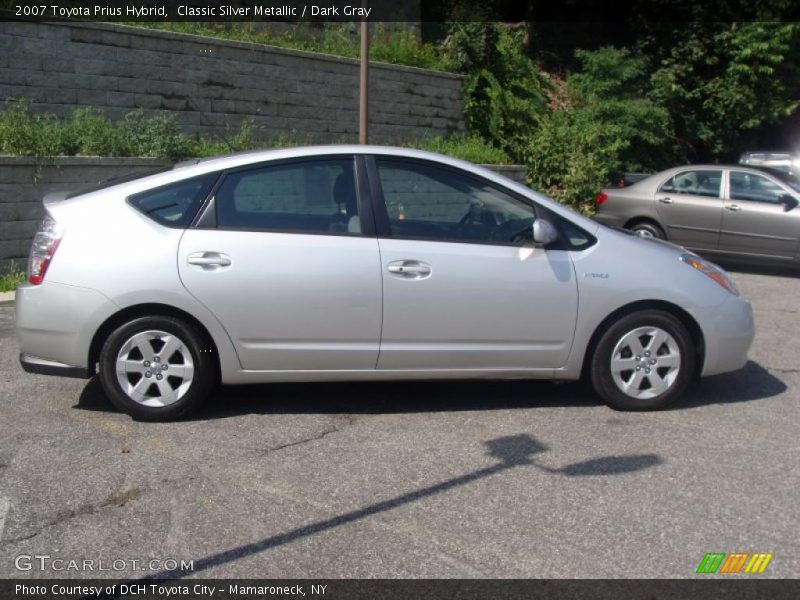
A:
[411,269]
[666,200]
[733,207]
[209,260]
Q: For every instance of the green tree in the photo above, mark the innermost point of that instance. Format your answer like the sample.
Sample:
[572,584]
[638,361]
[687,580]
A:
[722,82]
[605,126]
[504,93]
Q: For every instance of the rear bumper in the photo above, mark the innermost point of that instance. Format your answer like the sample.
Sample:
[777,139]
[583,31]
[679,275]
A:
[55,324]
[42,366]
[610,220]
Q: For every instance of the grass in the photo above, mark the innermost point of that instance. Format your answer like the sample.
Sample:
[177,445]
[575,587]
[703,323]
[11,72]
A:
[392,44]
[12,278]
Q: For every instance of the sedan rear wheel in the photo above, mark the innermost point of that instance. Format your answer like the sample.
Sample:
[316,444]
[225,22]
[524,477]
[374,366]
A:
[156,368]
[644,361]
[648,230]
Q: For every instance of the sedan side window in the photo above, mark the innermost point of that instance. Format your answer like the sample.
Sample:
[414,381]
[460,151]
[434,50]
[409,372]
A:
[757,188]
[431,202]
[312,196]
[698,183]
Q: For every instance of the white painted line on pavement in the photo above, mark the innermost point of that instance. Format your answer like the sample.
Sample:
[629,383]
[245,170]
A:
[5,506]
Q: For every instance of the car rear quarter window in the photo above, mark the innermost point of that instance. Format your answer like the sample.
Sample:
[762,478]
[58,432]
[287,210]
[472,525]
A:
[175,204]
[304,196]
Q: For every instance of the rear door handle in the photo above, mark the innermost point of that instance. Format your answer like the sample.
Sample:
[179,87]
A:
[411,269]
[209,260]
[665,200]
[733,207]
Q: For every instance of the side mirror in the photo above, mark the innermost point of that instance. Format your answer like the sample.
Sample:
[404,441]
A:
[543,232]
[789,202]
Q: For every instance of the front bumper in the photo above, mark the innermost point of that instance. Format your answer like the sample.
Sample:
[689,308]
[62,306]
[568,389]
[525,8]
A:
[42,366]
[728,331]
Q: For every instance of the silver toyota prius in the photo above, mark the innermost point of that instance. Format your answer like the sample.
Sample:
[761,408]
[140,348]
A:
[360,263]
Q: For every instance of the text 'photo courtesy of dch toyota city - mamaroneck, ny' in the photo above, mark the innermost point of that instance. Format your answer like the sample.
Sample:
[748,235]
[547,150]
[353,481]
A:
[399,299]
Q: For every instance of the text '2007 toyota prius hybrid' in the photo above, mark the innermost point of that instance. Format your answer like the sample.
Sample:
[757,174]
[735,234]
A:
[348,263]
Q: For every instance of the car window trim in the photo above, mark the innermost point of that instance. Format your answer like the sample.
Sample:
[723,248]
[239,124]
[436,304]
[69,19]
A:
[131,199]
[382,214]
[207,219]
[720,195]
[766,176]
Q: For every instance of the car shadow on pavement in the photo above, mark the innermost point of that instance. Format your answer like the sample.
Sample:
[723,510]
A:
[778,270]
[753,382]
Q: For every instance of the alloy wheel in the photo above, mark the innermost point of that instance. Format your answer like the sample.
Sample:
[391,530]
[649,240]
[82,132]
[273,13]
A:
[154,368]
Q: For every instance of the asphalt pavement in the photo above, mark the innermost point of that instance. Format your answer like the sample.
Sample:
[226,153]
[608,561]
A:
[408,480]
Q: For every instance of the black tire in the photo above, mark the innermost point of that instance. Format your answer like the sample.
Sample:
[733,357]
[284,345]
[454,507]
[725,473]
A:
[603,379]
[648,229]
[197,389]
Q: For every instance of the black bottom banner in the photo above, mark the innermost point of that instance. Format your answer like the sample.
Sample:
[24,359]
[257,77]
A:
[429,589]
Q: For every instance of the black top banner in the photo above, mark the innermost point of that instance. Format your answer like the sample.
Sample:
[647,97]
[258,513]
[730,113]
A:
[511,11]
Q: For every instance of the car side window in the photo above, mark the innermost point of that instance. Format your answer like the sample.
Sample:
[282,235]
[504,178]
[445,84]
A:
[306,196]
[757,188]
[706,182]
[432,202]
[175,204]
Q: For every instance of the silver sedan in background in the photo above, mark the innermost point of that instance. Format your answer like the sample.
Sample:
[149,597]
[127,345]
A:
[360,263]
[726,212]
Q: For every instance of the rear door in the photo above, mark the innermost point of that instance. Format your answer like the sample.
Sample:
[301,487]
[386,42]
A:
[463,286]
[689,204]
[756,222]
[288,262]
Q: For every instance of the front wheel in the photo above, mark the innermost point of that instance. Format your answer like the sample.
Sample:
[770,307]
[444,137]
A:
[644,361]
[156,368]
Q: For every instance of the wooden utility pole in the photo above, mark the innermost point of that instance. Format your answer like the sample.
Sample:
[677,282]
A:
[363,96]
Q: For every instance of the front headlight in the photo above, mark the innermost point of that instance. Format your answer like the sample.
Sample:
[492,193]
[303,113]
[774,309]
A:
[711,270]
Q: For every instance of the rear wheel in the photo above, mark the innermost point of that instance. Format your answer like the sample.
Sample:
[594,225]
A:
[648,229]
[644,361]
[156,368]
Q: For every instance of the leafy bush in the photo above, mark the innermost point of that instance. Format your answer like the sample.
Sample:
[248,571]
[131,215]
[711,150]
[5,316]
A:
[26,134]
[472,148]
[12,278]
[88,132]
[605,127]
[504,93]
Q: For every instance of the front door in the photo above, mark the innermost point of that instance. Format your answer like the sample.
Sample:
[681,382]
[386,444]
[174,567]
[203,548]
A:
[463,286]
[756,222]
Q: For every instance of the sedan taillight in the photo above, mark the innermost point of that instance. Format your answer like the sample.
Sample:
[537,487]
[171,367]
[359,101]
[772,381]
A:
[43,248]
[600,198]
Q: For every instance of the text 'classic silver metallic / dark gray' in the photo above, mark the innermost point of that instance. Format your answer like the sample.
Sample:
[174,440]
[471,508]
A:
[357,263]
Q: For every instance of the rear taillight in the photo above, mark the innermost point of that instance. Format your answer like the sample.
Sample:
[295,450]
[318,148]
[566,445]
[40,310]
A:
[43,248]
[600,198]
